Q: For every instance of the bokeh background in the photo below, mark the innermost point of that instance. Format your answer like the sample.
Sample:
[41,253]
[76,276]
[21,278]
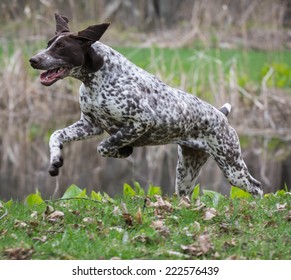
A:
[235,51]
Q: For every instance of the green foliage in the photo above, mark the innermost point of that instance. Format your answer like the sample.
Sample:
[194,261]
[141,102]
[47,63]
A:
[34,199]
[214,196]
[138,189]
[74,191]
[96,196]
[238,193]
[154,190]
[196,192]
[281,77]
[128,191]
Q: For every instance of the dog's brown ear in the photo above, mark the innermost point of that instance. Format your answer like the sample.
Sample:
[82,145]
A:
[93,33]
[61,24]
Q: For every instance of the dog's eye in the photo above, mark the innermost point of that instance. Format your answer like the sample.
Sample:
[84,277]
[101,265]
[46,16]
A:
[60,45]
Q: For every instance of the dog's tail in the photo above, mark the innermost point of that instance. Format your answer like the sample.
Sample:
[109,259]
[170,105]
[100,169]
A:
[225,109]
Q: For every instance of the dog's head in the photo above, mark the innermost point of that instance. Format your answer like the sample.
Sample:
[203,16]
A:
[69,52]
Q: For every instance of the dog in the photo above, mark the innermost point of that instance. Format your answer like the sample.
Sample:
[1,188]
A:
[137,109]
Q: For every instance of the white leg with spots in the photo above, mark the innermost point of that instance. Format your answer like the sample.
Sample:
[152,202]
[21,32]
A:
[190,162]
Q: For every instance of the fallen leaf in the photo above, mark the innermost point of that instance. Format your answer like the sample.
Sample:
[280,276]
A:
[41,239]
[76,212]
[49,209]
[118,229]
[192,250]
[204,243]
[34,214]
[142,238]
[281,207]
[128,219]
[138,216]
[198,204]
[161,203]
[289,216]
[55,216]
[209,214]
[201,247]
[116,211]
[231,243]
[3,232]
[18,253]
[271,223]
[234,257]
[160,228]
[157,224]
[20,224]
[177,254]
[197,226]
[184,202]
[123,208]
[87,220]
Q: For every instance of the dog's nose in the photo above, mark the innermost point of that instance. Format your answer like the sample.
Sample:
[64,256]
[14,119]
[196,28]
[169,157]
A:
[33,61]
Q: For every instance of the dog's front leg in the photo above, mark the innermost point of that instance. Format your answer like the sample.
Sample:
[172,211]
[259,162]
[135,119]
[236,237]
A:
[118,145]
[77,131]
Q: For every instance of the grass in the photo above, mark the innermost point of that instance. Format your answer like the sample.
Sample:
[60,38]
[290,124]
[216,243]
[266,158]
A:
[250,63]
[135,226]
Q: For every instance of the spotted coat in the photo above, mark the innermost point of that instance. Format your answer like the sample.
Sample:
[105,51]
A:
[137,109]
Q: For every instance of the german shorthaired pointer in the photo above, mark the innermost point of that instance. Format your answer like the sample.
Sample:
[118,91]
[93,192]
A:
[137,109]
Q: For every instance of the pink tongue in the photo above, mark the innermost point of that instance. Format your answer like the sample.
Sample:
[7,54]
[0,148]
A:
[48,75]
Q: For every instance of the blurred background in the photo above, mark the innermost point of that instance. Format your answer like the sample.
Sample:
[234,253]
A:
[235,51]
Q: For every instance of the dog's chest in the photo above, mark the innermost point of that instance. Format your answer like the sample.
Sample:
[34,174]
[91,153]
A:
[101,109]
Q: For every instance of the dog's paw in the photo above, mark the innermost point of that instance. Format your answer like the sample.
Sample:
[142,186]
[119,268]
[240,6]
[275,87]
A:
[106,150]
[56,162]
[53,171]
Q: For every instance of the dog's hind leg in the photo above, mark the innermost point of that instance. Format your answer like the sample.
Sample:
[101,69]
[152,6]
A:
[190,162]
[228,156]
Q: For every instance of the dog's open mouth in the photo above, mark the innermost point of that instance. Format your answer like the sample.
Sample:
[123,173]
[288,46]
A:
[47,78]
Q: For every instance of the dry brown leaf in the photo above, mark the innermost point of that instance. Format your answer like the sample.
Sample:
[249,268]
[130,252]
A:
[18,253]
[55,216]
[138,216]
[41,239]
[281,207]
[202,246]
[20,224]
[123,208]
[204,243]
[160,227]
[177,254]
[196,226]
[76,212]
[198,204]
[157,224]
[116,211]
[128,219]
[34,214]
[3,232]
[49,209]
[209,214]
[184,202]
[142,238]
[87,220]
[160,201]
[192,250]
[231,243]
